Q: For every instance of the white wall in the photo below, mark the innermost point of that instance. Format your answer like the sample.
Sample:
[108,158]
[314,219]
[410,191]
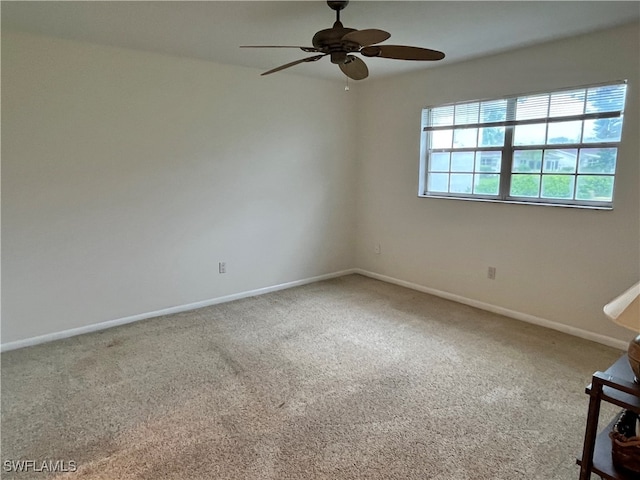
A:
[127,176]
[558,264]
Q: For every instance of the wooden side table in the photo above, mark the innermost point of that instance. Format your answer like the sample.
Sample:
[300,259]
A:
[615,385]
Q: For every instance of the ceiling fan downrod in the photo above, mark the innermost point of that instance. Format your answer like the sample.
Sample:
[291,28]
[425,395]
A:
[337,6]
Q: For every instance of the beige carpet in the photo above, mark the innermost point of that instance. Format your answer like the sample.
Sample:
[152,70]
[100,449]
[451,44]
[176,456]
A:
[345,379]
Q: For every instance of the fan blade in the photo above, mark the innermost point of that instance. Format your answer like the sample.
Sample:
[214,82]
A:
[304,49]
[302,60]
[401,52]
[367,37]
[354,68]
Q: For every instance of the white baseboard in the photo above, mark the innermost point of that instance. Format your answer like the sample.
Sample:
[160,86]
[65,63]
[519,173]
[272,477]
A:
[612,342]
[525,317]
[28,342]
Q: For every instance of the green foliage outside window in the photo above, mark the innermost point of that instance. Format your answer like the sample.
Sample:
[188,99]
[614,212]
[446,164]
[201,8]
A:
[525,185]
[592,187]
[557,186]
[487,185]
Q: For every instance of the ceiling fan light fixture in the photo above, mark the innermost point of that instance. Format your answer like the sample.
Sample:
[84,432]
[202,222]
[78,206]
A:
[338,57]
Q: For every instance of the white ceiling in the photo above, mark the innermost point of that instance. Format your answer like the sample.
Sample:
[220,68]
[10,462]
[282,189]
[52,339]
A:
[213,30]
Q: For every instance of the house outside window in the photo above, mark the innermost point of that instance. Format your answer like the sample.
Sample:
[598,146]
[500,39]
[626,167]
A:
[554,148]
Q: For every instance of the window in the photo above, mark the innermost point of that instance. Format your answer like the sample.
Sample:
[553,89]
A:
[557,148]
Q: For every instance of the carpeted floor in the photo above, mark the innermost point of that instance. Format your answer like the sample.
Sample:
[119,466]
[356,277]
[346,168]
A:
[350,378]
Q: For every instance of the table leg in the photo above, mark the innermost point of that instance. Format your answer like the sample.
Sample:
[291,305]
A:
[591,430]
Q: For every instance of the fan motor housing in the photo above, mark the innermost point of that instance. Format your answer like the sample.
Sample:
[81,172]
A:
[330,41]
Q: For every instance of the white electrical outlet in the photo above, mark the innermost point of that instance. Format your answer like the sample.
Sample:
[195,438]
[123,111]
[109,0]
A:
[491,273]
[222,267]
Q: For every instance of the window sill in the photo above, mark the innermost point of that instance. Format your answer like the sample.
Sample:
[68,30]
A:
[518,202]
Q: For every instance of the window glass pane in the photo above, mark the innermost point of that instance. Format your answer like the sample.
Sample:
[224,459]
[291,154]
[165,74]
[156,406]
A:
[441,138]
[530,134]
[488,161]
[557,186]
[442,116]
[438,182]
[527,161]
[493,111]
[462,161]
[597,160]
[486,184]
[534,106]
[564,132]
[595,188]
[461,183]
[465,137]
[467,113]
[602,130]
[525,186]
[492,137]
[439,162]
[607,98]
[567,103]
[560,160]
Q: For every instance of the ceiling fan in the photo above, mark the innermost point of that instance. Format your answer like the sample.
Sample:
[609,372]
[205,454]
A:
[340,43]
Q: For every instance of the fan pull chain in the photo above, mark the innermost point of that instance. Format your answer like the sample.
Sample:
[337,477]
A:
[346,87]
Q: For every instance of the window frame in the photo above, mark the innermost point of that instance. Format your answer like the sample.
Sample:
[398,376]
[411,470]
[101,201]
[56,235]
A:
[508,148]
